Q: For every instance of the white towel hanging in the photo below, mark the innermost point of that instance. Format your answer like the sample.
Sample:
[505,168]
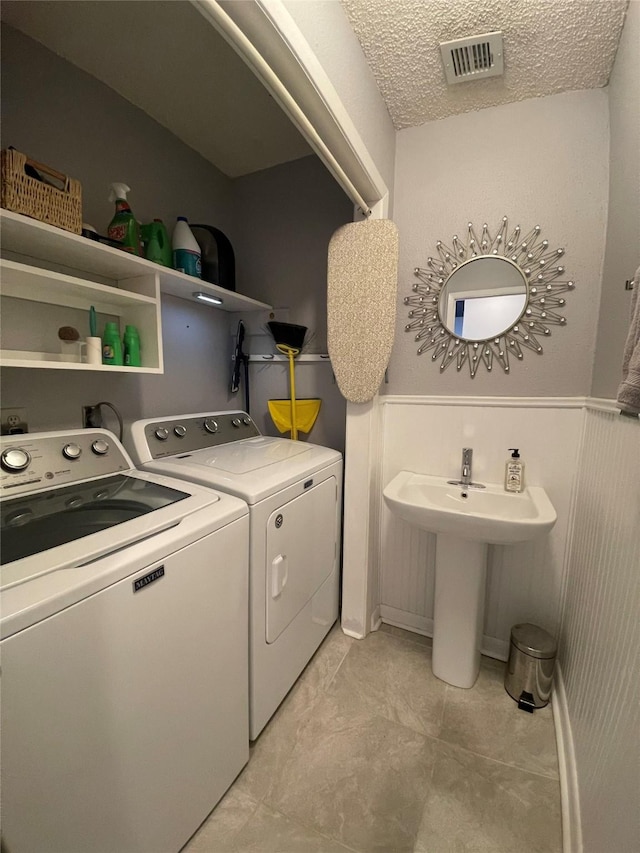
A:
[629,390]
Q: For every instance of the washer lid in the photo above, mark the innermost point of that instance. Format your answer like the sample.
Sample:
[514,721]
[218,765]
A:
[60,573]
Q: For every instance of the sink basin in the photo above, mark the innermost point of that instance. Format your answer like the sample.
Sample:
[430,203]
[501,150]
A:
[488,515]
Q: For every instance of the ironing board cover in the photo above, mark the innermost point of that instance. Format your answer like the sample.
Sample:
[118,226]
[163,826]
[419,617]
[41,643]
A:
[362,283]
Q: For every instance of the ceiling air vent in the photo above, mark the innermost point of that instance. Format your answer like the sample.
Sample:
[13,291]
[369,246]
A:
[472,58]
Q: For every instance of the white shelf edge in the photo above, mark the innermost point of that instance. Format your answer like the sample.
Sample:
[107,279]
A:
[62,280]
[184,286]
[36,239]
[10,358]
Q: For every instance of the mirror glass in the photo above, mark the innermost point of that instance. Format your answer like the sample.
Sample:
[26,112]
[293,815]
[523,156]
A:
[482,298]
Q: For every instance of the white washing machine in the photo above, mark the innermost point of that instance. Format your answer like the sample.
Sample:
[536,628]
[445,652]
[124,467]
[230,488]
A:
[294,493]
[124,648]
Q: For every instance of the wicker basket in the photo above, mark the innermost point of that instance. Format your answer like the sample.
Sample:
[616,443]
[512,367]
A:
[31,197]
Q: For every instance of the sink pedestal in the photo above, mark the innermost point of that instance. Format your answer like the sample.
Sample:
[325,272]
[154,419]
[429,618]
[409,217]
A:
[458,616]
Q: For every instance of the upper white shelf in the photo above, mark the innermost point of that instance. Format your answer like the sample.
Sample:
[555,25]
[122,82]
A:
[40,241]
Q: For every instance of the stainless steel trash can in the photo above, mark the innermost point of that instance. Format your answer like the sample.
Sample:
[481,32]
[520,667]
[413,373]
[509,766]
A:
[532,657]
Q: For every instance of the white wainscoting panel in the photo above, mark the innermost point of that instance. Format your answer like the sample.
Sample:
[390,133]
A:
[600,642]
[427,435]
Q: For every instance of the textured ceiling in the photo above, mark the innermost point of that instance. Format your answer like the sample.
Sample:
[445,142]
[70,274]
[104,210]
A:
[550,46]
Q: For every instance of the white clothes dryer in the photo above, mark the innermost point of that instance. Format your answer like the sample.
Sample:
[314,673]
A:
[294,493]
[124,648]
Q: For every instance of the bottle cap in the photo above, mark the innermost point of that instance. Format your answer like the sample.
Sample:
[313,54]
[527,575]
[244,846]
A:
[515,454]
[119,192]
[182,219]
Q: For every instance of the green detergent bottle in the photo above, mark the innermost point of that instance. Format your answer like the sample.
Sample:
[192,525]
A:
[157,246]
[124,227]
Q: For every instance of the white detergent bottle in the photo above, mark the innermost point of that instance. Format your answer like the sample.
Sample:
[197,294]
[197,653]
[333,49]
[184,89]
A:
[187,257]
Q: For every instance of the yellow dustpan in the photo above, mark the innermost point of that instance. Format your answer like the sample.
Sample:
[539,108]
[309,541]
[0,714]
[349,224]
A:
[307,411]
[293,414]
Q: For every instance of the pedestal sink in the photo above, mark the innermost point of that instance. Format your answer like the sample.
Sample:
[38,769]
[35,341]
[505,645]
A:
[465,522]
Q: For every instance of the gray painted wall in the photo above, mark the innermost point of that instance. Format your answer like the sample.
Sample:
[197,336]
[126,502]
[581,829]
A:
[289,214]
[622,256]
[64,117]
[539,162]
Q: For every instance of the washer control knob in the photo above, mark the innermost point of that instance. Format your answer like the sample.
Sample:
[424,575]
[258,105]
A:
[14,459]
[246,421]
[100,447]
[210,425]
[180,430]
[162,434]
[72,451]
[236,422]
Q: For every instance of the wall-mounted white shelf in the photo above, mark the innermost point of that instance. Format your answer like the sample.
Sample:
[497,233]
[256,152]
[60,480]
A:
[88,258]
[23,285]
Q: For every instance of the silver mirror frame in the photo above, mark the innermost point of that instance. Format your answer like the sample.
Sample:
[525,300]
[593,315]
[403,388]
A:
[536,262]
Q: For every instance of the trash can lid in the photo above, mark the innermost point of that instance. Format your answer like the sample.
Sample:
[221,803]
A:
[533,640]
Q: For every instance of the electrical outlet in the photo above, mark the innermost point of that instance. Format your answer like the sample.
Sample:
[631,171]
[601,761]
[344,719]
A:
[91,417]
[14,421]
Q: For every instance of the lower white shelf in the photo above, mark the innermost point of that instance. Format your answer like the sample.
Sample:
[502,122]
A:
[57,361]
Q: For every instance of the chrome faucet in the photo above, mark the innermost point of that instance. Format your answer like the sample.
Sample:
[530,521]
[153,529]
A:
[465,473]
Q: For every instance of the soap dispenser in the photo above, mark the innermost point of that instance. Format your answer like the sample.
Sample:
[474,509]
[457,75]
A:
[514,472]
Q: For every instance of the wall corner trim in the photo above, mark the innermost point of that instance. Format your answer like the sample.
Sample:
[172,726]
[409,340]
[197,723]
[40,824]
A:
[569,787]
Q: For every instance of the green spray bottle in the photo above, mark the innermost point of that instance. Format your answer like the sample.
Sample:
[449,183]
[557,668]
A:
[124,227]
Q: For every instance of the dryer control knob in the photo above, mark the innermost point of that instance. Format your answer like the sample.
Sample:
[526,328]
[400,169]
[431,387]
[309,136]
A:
[236,422]
[180,430]
[100,447]
[14,459]
[246,421]
[72,451]
[210,425]
[162,434]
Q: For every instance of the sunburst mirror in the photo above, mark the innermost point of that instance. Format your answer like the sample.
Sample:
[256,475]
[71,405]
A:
[483,300]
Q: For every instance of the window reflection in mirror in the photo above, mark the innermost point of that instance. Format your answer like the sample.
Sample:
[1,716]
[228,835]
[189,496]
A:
[482,298]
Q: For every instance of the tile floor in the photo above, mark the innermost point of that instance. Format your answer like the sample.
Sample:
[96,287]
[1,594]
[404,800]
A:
[371,752]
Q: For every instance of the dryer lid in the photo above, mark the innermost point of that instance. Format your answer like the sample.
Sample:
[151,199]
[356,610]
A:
[243,457]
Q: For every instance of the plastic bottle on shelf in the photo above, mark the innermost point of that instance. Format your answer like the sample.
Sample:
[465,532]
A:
[124,227]
[157,247]
[187,257]
[131,347]
[111,345]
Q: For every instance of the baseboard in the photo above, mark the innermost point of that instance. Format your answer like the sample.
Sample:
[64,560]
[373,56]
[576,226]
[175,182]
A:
[569,790]
[409,621]
[491,646]
[494,648]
